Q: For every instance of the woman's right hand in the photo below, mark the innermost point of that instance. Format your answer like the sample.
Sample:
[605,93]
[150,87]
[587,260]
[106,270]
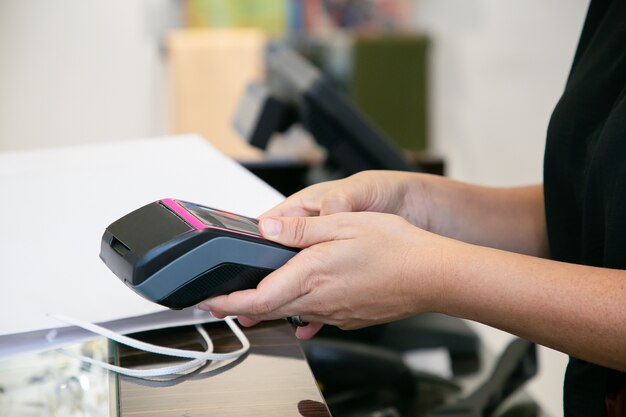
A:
[511,219]
[392,192]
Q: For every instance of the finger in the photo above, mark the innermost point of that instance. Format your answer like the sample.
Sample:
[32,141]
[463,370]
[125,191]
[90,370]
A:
[302,232]
[336,203]
[302,203]
[246,321]
[289,209]
[267,301]
[313,200]
[237,303]
[308,331]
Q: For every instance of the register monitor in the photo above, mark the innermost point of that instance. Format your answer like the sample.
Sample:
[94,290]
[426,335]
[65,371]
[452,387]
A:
[295,91]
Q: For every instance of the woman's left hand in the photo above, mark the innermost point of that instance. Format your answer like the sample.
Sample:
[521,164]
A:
[355,270]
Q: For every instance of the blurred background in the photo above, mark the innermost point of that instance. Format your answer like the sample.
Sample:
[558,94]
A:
[469,82]
[75,71]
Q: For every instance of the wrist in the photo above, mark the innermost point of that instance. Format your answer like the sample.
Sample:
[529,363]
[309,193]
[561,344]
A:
[455,263]
[437,272]
[455,258]
[418,204]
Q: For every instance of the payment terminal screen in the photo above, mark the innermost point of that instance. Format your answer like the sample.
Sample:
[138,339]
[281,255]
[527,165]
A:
[218,218]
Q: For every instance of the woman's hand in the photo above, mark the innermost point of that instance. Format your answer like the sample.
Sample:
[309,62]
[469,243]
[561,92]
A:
[512,219]
[392,192]
[355,270]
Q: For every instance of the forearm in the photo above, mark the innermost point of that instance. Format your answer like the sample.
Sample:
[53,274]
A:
[511,219]
[575,309]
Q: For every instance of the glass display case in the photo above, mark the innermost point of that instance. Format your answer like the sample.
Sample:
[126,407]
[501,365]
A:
[55,384]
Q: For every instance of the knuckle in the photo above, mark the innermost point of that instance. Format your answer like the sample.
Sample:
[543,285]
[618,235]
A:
[261,308]
[336,197]
[347,325]
[298,231]
[344,223]
[308,257]
[324,310]
[305,286]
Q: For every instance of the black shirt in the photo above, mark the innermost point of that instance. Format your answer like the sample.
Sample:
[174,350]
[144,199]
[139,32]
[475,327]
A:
[585,178]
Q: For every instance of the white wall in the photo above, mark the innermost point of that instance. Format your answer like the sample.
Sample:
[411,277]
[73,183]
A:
[76,71]
[498,68]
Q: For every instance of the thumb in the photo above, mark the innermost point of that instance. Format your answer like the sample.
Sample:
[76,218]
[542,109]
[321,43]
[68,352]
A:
[298,232]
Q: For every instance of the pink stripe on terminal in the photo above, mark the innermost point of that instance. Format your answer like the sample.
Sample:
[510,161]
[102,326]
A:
[183,214]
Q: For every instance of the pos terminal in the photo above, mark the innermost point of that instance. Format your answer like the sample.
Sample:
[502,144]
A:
[177,253]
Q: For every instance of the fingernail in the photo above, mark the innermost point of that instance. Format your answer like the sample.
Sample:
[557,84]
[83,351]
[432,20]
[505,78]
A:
[204,306]
[271,227]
